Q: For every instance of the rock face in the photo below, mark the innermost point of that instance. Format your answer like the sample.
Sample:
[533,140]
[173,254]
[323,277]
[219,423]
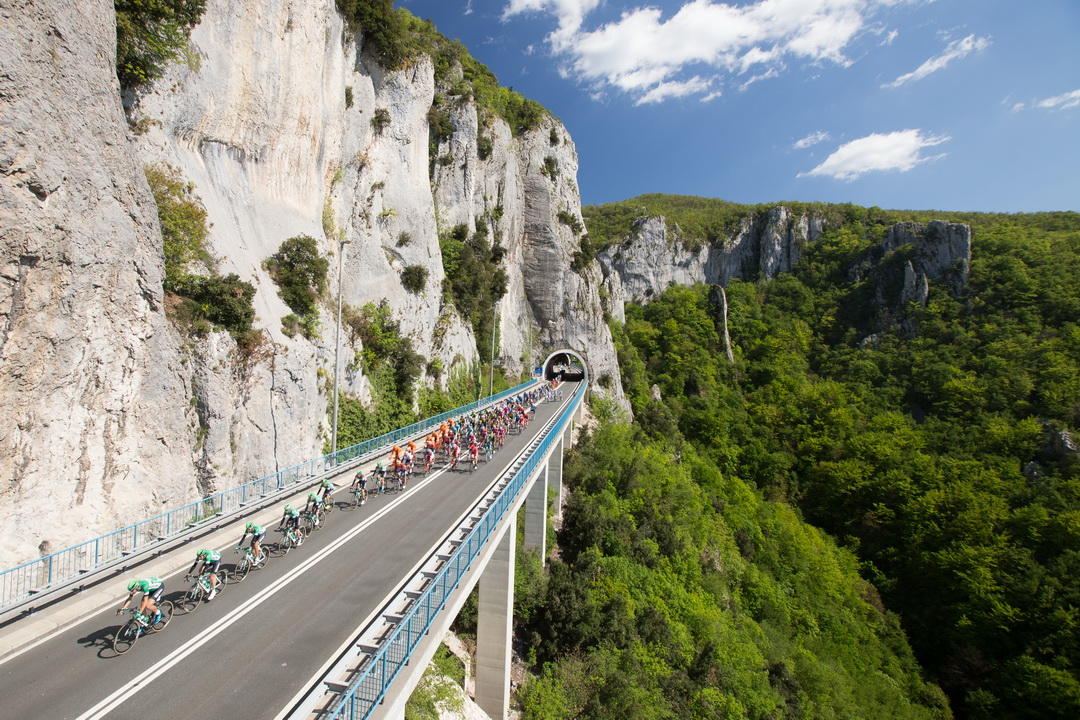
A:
[942,252]
[651,259]
[96,427]
[111,413]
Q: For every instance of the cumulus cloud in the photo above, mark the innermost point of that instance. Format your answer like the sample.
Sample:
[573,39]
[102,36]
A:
[953,51]
[646,54]
[901,150]
[1061,102]
[810,140]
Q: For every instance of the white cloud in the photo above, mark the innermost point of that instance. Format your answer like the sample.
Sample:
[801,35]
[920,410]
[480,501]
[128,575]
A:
[893,34]
[1017,107]
[469,7]
[1061,102]
[770,73]
[646,50]
[666,90]
[712,96]
[810,140]
[901,150]
[953,51]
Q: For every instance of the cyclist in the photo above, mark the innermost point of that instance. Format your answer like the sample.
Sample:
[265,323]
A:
[360,484]
[381,472]
[290,520]
[327,489]
[474,452]
[210,560]
[152,589]
[313,506]
[257,532]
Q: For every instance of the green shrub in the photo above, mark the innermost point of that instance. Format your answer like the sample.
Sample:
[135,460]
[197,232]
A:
[380,120]
[474,281]
[553,136]
[414,278]
[570,220]
[348,97]
[404,239]
[550,168]
[383,345]
[300,273]
[223,301]
[584,255]
[484,146]
[183,221]
[150,34]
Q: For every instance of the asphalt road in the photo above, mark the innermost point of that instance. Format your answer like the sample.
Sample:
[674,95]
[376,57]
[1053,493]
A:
[257,661]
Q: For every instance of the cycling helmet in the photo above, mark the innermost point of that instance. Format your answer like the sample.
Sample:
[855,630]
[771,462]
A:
[249,526]
[132,585]
[312,496]
[288,508]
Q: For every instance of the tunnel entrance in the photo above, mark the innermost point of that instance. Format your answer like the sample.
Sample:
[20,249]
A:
[565,364]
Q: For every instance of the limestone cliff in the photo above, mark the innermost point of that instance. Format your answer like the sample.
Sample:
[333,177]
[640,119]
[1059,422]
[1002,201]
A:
[111,412]
[96,419]
[652,257]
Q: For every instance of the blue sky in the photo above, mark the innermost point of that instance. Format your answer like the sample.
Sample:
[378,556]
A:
[921,104]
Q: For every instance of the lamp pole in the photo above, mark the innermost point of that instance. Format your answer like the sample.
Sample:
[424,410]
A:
[337,343]
[494,329]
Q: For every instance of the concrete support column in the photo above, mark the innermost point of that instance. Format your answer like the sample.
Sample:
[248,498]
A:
[536,513]
[494,626]
[554,475]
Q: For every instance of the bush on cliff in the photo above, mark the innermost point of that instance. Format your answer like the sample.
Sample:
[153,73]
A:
[300,273]
[150,34]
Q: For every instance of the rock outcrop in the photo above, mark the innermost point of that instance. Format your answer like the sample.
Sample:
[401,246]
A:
[652,258]
[112,413]
[96,420]
[913,255]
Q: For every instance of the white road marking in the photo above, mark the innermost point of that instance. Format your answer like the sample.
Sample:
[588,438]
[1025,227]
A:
[154,671]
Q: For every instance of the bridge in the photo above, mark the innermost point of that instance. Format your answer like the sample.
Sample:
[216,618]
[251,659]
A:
[342,627]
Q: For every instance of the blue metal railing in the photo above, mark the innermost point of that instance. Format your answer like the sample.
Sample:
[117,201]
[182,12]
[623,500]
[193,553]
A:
[57,569]
[366,691]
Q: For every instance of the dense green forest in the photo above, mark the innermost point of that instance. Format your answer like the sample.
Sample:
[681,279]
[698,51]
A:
[691,581]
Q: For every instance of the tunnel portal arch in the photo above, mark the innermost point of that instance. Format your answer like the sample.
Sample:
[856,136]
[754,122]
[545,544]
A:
[566,364]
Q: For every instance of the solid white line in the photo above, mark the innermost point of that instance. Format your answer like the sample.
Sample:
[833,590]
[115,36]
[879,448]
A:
[334,658]
[163,665]
[381,605]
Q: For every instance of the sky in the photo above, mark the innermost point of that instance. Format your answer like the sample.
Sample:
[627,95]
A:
[903,104]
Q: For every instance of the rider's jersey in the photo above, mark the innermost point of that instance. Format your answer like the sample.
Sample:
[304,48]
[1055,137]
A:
[292,513]
[256,530]
[148,585]
[209,556]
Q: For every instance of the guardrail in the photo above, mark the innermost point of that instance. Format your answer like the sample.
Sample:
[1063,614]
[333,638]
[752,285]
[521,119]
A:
[366,691]
[55,570]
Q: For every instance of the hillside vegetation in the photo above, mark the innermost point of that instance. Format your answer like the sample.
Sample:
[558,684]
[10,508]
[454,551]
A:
[697,220]
[936,460]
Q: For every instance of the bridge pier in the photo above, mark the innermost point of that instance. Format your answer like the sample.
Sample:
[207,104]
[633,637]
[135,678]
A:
[536,513]
[554,475]
[494,626]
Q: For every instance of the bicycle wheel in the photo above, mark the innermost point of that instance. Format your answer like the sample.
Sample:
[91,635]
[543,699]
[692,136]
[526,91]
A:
[126,637]
[191,601]
[277,549]
[240,571]
[167,609]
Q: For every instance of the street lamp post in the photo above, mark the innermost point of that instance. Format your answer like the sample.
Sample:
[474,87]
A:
[494,329]
[337,343]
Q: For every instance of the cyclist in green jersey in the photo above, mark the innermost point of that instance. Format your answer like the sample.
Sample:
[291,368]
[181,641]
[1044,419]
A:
[152,589]
[210,560]
[290,519]
[312,507]
[326,489]
[257,532]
